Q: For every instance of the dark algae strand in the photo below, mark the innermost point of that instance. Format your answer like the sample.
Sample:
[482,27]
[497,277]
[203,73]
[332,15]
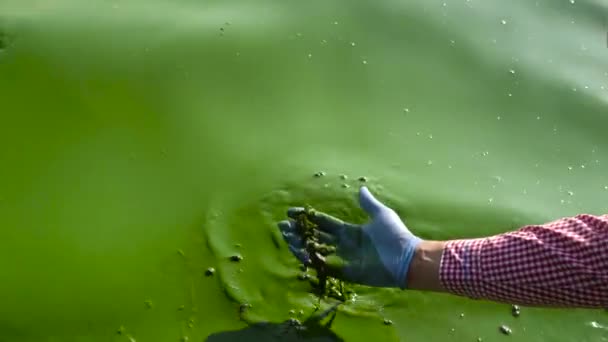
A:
[324,285]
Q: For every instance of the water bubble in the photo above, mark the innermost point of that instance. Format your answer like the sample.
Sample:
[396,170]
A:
[406,110]
[364,61]
[570,168]
[511,71]
[509,95]
[430,136]
[352,44]
[309,55]
[503,21]
[498,118]
[429,163]
[606,187]
[485,153]
[582,166]
[572,2]
[562,201]
[538,118]
[570,193]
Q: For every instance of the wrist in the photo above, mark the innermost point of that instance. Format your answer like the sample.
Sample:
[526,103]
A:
[423,273]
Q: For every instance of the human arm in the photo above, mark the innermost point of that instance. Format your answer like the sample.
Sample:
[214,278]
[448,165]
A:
[563,263]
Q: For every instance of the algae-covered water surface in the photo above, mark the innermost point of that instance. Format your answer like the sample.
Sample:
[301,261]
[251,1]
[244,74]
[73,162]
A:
[148,149]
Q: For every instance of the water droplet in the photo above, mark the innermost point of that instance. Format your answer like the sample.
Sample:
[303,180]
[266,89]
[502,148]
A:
[132,339]
[449,166]
[570,193]
[345,186]
[335,23]
[606,187]
[148,303]
[352,44]
[538,118]
[429,163]
[511,71]
[309,55]
[572,2]
[406,110]
[570,168]
[343,177]
[498,118]
[417,133]
[574,89]
[509,94]
[120,330]
[180,252]
[364,61]
[452,42]
[490,200]
[298,35]
[503,21]
[430,136]
[185,339]
[525,192]
[324,41]
[582,166]
[485,153]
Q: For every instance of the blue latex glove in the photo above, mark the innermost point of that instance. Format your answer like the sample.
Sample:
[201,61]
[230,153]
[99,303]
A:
[377,253]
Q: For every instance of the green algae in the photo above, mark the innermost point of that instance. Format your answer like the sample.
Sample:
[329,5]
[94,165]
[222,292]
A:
[131,130]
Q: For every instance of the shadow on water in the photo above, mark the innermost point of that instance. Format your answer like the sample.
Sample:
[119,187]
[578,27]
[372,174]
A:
[315,328]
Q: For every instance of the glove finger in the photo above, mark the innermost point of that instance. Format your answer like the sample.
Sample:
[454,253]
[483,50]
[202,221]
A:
[301,254]
[369,203]
[327,223]
[289,233]
[294,212]
[328,239]
[287,226]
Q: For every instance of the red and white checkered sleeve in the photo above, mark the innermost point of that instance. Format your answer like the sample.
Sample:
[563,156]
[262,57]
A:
[562,263]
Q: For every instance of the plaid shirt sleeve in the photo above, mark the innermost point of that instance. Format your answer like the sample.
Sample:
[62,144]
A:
[563,264]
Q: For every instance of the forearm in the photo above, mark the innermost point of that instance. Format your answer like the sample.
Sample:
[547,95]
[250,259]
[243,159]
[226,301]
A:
[562,263]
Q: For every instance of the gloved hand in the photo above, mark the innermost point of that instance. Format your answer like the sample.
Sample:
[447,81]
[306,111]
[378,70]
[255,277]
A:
[377,253]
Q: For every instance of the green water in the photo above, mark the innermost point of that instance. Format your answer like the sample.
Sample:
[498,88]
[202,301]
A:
[141,141]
